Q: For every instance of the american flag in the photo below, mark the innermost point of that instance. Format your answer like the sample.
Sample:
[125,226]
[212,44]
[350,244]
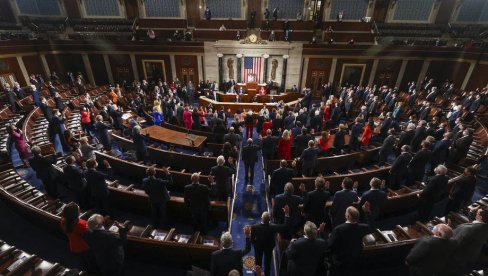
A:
[252,66]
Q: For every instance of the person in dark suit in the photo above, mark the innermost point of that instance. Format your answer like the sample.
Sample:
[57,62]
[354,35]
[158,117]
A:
[398,170]
[207,14]
[268,145]
[471,240]
[197,198]
[263,239]
[226,259]
[355,134]
[221,175]
[19,92]
[75,180]
[460,147]
[275,13]
[280,177]
[375,196]
[156,189]
[431,254]
[424,111]
[44,170]
[314,201]
[309,158]
[386,125]
[342,200]
[416,166]
[387,148]
[435,190]
[36,95]
[249,157]
[102,129]
[293,202]
[97,187]
[407,136]
[346,241]
[339,139]
[305,255]
[412,99]
[441,150]
[461,191]
[107,247]
[301,141]
[11,97]
[233,138]
[418,137]
[139,143]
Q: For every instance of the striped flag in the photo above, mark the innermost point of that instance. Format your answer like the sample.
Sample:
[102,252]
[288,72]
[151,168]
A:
[252,69]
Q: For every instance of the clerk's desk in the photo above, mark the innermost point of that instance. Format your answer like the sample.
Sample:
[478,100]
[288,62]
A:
[233,107]
[247,98]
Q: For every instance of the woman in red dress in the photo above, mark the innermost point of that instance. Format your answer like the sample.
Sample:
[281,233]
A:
[284,146]
[324,141]
[326,112]
[18,138]
[187,118]
[266,125]
[75,228]
[367,134]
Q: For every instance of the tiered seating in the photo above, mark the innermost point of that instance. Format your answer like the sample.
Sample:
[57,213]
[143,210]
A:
[17,262]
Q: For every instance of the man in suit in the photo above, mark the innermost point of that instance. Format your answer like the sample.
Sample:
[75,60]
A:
[441,150]
[431,254]
[314,201]
[342,200]
[293,202]
[346,241]
[275,13]
[197,198]
[424,111]
[339,139]
[436,189]
[309,158]
[289,121]
[156,189]
[263,239]
[97,187]
[36,95]
[418,136]
[416,166]
[227,259]
[233,138]
[375,196]
[249,157]
[44,171]
[221,174]
[412,99]
[102,129]
[387,148]
[280,177]
[460,147]
[407,136]
[74,177]
[355,134]
[301,141]
[19,92]
[399,170]
[268,145]
[11,97]
[208,14]
[461,190]
[305,255]
[107,247]
[386,125]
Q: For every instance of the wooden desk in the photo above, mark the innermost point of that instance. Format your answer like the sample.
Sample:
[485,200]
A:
[247,98]
[233,107]
[173,137]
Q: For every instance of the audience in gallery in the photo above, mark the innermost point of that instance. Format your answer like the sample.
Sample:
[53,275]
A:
[287,134]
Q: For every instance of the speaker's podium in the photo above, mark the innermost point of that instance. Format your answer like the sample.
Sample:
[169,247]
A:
[251,88]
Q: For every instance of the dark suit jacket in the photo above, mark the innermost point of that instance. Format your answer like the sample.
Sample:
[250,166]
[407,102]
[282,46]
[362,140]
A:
[42,166]
[417,138]
[263,235]
[292,201]
[250,154]
[309,157]
[346,242]
[430,255]
[301,143]
[400,164]
[461,147]
[279,178]
[97,186]
[225,260]
[462,190]
[74,177]
[305,256]
[314,205]
[197,197]
[387,147]
[406,137]
[222,175]
[342,200]
[376,198]
[436,188]
[385,126]
[339,139]
[232,138]
[268,145]
[419,160]
[471,237]
[156,189]
[108,249]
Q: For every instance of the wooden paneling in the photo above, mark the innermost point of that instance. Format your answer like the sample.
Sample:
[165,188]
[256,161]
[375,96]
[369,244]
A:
[165,58]
[445,11]
[318,64]
[193,12]
[34,66]
[256,6]
[478,78]
[72,8]
[10,65]
[452,70]
[387,72]
[186,62]
[412,72]
[98,68]
[366,73]
[132,8]
[121,68]
[63,63]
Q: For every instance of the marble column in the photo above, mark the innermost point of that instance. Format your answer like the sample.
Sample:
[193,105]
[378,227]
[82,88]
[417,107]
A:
[108,68]
[472,65]
[239,68]
[221,69]
[25,74]
[283,74]
[423,72]
[45,65]
[135,71]
[266,62]
[88,68]
[401,73]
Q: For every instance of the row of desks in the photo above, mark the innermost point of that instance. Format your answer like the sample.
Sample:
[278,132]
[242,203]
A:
[247,98]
